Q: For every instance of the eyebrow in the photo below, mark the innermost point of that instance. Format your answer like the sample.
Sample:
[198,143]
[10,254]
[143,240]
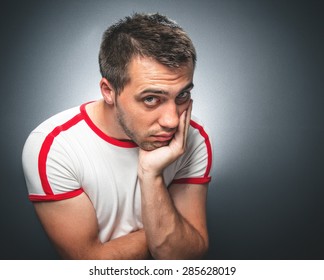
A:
[159,91]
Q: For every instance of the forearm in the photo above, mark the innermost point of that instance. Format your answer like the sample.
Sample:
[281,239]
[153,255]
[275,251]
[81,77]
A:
[132,246]
[169,235]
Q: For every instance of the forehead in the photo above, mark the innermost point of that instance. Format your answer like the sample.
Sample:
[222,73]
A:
[144,71]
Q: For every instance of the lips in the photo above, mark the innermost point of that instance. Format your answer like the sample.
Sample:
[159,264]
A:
[163,137]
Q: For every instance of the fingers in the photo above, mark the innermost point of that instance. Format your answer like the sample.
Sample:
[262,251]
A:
[187,123]
[180,138]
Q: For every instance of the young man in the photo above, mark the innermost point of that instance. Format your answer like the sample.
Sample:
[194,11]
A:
[126,177]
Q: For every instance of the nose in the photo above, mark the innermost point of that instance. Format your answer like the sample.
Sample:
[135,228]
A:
[170,116]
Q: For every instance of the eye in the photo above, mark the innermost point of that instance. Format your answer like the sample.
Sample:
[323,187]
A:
[151,101]
[183,97]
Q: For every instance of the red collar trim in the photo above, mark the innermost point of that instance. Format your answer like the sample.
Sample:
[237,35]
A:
[101,134]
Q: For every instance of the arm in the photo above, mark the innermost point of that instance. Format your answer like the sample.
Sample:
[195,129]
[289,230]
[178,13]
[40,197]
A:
[72,226]
[174,220]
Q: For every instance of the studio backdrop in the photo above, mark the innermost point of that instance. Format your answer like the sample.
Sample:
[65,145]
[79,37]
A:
[258,88]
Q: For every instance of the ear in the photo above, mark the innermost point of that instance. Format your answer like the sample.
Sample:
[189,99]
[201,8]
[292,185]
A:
[107,91]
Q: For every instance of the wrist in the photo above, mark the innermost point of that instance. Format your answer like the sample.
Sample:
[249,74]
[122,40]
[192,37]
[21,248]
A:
[147,171]
[149,175]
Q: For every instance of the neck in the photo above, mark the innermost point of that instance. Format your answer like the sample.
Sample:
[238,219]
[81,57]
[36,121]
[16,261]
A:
[104,117]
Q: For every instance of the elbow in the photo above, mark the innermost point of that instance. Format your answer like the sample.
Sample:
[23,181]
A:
[161,249]
[202,245]
[204,248]
[169,249]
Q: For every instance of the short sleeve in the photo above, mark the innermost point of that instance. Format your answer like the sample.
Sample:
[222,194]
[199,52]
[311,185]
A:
[195,165]
[48,168]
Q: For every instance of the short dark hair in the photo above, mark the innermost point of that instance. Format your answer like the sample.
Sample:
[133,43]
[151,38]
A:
[147,35]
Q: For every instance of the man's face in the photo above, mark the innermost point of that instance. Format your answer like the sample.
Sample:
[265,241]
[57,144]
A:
[149,107]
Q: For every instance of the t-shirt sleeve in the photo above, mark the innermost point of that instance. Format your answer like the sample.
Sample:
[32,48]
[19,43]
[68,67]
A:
[48,169]
[195,165]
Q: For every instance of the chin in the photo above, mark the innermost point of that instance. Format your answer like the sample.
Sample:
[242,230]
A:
[151,146]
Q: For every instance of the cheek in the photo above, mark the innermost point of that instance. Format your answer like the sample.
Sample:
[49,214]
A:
[142,122]
[136,120]
[137,117]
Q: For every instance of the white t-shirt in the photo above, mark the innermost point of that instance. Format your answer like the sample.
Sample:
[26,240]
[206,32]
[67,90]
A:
[68,154]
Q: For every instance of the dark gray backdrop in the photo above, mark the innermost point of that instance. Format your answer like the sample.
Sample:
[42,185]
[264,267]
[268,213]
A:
[259,88]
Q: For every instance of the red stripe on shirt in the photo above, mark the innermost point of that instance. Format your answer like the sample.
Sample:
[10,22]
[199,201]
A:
[42,158]
[54,197]
[101,134]
[206,178]
[202,180]
[208,146]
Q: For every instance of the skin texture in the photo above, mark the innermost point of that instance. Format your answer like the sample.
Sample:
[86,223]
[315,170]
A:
[154,111]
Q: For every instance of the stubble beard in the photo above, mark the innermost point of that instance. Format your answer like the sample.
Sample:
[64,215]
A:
[145,145]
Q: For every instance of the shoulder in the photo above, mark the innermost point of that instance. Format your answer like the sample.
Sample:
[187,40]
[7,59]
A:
[45,133]
[57,120]
[198,133]
[194,166]
[48,165]
[53,126]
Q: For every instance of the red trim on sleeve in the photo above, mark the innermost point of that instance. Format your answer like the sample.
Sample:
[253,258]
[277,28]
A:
[55,197]
[42,158]
[203,180]
[101,134]
[208,146]
[206,178]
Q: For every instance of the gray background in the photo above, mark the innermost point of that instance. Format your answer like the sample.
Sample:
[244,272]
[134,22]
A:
[258,87]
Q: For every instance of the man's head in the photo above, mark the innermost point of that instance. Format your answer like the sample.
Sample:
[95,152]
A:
[153,36]
[147,63]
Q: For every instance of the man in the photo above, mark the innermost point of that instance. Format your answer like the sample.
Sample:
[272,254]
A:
[125,177]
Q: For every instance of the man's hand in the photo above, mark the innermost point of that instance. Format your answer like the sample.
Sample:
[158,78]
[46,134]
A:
[169,222]
[152,163]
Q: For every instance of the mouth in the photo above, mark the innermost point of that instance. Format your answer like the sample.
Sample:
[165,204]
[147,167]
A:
[165,137]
